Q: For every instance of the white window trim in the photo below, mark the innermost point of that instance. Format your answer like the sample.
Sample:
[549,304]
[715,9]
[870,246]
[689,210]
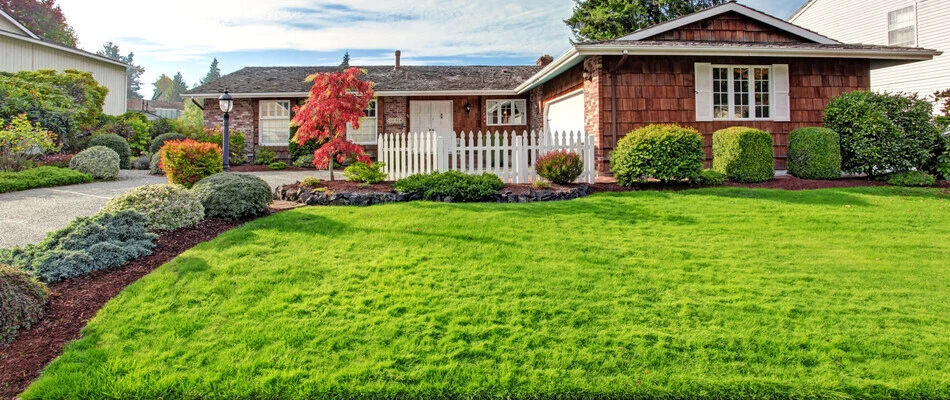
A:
[262,118]
[888,30]
[732,93]
[524,107]
[375,126]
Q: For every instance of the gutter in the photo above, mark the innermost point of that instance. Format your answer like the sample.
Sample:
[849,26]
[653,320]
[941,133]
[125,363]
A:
[381,93]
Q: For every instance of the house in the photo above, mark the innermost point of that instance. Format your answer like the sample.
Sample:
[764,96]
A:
[155,109]
[725,66]
[23,50]
[911,23]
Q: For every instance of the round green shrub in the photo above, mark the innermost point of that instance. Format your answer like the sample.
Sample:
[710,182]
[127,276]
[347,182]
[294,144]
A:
[142,163]
[118,144]
[159,127]
[814,153]
[155,165]
[167,207]
[22,300]
[668,153]
[277,165]
[233,196]
[160,140]
[360,172]
[911,178]
[744,154]
[711,178]
[101,162]
[561,167]
[304,161]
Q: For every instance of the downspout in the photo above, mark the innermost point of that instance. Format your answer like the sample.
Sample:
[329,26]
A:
[196,103]
[613,97]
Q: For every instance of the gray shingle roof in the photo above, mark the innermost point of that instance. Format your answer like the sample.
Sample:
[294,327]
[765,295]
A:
[407,78]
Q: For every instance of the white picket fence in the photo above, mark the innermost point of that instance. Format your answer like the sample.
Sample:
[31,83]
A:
[508,155]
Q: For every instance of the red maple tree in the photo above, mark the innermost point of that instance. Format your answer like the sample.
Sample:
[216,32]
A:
[335,100]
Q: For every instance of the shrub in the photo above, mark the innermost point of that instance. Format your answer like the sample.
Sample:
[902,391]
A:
[143,163]
[42,103]
[561,167]
[304,161]
[22,300]
[943,164]
[310,181]
[360,172]
[711,178]
[40,177]
[60,160]
[540,185]
[186,162]
[101,162]
[452,184]
[216,136]
[882,132]
[160,140]
[133,127]
[233,196]
[87,95]
[21,143]
[265,156]
[159,127]
[277,165]
[668,153]
[117,144]
[744,154]
[166,207]
[910,178]
[155,165]
[87,244]
[309,147]
[814,153]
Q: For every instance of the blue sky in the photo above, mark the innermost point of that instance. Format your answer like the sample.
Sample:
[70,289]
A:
[185,35]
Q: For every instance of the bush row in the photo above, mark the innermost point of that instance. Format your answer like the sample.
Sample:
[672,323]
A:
[459,186]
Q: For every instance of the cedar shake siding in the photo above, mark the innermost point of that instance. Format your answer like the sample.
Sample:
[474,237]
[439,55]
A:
[729,27]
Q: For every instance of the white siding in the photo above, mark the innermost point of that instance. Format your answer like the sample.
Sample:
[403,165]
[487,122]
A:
[20,55]
[6,25]
[865,21]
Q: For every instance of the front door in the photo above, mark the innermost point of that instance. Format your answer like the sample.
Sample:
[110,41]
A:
[431,116]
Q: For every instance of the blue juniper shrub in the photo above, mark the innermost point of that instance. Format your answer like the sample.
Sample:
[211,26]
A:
[744,154]
[22,300]
[814,153]
[233,196]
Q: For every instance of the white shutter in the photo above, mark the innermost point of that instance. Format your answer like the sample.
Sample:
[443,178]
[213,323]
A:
[781,103]
[704,92]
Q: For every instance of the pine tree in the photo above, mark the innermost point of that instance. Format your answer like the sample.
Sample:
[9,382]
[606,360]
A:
[346,60]
[133,75]
[179,86]
[213,73]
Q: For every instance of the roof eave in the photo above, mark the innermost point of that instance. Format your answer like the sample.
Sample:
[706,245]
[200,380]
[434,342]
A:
[800,10]
[68,50]
[20,26]
[873,54]
[563,63]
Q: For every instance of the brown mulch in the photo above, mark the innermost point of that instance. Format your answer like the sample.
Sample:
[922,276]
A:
[793,183]
[75,301]
[264,168]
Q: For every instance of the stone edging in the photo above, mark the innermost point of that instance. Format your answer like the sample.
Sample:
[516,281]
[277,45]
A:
[315,198]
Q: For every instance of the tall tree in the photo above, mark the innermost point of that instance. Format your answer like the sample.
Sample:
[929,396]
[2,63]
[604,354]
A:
[213,73]
[335,100]
[346,60]
[42,17]
[133,75]
[179,86]
[610,19]
[163,86]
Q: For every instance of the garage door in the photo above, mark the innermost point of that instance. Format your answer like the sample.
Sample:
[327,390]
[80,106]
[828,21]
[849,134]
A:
[566,113]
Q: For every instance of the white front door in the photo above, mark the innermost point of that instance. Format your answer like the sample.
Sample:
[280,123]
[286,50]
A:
[565,114]
[431,116]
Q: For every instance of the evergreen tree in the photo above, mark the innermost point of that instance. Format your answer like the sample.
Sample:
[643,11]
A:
[346,60]
[133,75]
[610,19]
[213,73]
[178,87]
[162,87]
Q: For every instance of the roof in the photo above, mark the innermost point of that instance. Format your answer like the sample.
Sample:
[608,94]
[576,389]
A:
[33,38]
[292,80]
[140,105]
[20,26]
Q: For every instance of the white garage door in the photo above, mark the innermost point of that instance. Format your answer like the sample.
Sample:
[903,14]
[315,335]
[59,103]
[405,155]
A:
[566,113]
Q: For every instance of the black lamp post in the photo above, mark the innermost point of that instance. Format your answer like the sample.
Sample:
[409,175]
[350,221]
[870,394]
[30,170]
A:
[227,104]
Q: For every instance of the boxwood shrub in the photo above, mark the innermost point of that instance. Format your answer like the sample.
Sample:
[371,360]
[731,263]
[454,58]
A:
[22,300]
[744,154]
[561,166]
[668,153]
[233,196]
[118,144]
[101,162]
[160,140]
[460,187]
[41,177]
[167,207]
[814,153]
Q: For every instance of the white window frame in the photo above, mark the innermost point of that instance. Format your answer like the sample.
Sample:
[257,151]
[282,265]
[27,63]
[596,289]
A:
[732,93]
[912,9]
[364,121]
[260,128]
[524,107]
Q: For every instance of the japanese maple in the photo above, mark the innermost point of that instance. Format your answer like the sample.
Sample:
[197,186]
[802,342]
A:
[337,99]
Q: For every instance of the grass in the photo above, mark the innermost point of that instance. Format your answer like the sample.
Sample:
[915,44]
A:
[703,294]
[40,177]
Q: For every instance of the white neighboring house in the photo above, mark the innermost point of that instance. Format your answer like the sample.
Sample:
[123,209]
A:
[910,23]
[22,50]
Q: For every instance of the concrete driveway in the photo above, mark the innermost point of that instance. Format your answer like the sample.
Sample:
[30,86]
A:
[27,216]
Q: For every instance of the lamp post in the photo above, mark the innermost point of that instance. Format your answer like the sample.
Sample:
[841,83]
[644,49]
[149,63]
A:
[226,102]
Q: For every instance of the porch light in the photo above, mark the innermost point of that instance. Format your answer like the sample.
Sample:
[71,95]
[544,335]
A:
[226,102]
[587,75]
[468,108]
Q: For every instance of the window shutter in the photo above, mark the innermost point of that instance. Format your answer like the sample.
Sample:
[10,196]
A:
[781,106]
[704,93]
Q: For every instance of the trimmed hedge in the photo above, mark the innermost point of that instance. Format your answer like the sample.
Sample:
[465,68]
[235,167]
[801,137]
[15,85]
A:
[669,153]
[814,153]
[744,154]
[233,196]
[22,301]
[561,167]
[101,162]
[41,177]
[85,245]
[118,144]
[160,140]
[459,186]
[167,207]
[911,178]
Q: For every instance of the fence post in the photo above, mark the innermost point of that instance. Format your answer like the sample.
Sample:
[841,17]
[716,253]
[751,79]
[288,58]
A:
[589,150]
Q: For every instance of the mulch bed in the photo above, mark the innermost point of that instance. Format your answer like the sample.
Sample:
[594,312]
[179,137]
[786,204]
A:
[74,301]
[264,168]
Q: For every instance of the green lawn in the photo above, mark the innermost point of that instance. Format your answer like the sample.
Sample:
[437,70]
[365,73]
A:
[704,294]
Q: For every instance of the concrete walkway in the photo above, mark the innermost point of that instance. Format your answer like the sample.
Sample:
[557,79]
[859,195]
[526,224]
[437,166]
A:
[27,216]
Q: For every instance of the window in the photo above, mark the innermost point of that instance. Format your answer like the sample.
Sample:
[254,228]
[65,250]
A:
[902,27]
[506,112]
[275,122]
[742,92]
[367,132]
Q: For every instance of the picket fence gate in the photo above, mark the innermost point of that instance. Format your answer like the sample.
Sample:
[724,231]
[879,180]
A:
[508,155]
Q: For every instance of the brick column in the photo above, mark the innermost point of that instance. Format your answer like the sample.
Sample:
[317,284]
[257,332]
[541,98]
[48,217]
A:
[243,118]
[535,112]
[594,109]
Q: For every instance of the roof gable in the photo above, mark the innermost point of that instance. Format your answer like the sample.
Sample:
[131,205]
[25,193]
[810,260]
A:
[777,25]
[15,26]
[729,27]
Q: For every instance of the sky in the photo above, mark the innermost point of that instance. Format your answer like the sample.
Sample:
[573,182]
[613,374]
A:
[185,35]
